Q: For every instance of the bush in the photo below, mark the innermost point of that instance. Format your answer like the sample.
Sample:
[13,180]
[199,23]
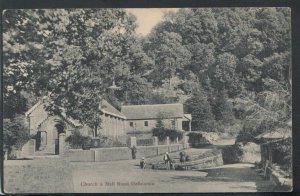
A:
[111,142]
[15,134]
[162,133]
[242,153]
[245,137]
[76,140]
[282,154]
[202,138]
[232,154]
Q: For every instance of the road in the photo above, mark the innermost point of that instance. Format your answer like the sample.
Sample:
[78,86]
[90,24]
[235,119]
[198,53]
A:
[126,176]
[53,175]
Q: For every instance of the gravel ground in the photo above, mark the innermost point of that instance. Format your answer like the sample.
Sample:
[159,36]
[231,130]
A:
[126,177]
[46,175]
[52,175]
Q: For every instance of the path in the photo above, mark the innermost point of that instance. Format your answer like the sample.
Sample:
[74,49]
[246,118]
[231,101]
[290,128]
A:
[51,174]
[126,176]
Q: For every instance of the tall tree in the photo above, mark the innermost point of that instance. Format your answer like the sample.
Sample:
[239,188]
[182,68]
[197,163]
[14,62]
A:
[74,56]
[199,107]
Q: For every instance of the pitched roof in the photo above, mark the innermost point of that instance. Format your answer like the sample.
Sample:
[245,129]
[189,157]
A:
[276,134]
[152,111]
[109,109]
[33,108]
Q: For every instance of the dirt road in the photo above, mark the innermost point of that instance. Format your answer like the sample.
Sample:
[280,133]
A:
[54,175]
[126,176]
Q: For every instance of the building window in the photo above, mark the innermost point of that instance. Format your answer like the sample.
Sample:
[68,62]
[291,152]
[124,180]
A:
[146,123]
[131,124]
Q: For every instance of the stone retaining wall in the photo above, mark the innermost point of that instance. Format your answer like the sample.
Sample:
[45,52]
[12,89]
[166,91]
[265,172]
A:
[118,153]
[209,162]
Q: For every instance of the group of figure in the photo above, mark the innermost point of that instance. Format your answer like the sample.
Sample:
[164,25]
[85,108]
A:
[169,163]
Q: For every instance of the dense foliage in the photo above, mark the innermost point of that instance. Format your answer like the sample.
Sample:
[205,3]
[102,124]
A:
[162,133]
[282,154]
[76,140]
[237,68]
[198,139]
[15,135]
[231,67]
[71,56]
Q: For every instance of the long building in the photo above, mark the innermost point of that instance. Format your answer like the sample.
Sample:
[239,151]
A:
[132,118]
[145,117]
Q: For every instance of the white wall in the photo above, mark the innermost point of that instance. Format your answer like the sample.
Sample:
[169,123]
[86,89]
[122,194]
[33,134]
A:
[36,117]
[112,126]
[138,125]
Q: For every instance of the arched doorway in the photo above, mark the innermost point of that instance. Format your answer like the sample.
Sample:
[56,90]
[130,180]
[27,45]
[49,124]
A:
[41,140]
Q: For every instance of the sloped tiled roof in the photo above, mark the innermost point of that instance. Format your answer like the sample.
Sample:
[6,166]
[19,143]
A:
[276,134]
[152,111]
[109,109]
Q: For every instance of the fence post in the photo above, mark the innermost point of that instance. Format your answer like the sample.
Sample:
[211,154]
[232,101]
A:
[185,141]
[61,144]
[155,141]
[167,142]
[132,142]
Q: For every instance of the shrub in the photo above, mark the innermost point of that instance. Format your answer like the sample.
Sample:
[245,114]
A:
[15,134]
[232,154]
[162,133]
[110,142]
[202,138]
[245,137]
[282,154]
[76,140]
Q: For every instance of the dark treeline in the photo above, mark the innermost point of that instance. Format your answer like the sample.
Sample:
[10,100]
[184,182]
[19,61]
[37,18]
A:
[230,67]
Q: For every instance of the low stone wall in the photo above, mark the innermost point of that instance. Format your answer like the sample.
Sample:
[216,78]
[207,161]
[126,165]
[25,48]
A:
[209,162]
[148,151]
[208,159]
[118,153]
[38,176]
[174,148]
[163,149]
[112,154]
[79,155]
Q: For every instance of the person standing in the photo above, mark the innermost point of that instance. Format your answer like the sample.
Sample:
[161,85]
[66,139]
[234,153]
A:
[167,160]
[133,152]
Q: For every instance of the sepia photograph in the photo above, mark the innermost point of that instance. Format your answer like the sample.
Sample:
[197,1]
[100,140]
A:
[147,100]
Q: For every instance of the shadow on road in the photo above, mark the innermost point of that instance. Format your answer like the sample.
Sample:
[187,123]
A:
[222,174]
[233,173]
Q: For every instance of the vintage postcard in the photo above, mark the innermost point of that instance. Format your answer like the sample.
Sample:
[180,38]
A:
[144,100]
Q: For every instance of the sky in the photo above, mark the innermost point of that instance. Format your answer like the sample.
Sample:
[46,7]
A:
[148,18]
